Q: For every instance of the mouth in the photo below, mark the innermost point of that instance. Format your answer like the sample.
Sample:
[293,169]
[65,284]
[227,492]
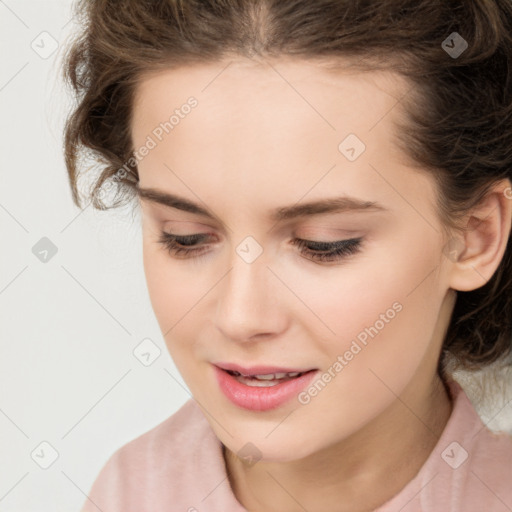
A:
[261,388]
[267,379]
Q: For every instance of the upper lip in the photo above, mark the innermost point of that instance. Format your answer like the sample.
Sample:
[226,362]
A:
[260,369]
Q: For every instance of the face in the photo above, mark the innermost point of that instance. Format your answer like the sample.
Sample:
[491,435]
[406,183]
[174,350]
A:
[349,296]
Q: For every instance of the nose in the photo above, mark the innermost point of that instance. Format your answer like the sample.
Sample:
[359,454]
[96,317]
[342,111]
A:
[250,304]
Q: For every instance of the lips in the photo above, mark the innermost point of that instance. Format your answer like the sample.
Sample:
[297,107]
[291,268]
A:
[261,388]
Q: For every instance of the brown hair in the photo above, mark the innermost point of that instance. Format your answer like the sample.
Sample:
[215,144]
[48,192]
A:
[459,113]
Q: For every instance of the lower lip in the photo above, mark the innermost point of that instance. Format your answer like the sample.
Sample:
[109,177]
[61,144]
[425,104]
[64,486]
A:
[261,398]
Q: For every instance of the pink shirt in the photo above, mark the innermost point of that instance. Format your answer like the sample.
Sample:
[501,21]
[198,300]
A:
[178,466]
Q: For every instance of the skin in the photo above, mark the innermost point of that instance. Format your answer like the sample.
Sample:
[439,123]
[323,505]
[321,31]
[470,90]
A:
[261,139]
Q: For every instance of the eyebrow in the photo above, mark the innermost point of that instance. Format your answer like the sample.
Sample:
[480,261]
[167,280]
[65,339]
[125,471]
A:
[328,205]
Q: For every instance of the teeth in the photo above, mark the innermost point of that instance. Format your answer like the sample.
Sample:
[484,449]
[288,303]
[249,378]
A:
[270,376]
[256,382]
[269,379]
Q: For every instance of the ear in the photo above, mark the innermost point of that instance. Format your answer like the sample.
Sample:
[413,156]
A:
[477,253]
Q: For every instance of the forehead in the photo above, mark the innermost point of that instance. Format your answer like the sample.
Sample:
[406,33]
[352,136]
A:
[269,130]
[289,104]
[326,88]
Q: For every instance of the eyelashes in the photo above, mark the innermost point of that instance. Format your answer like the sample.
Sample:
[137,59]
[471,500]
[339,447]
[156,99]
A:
[182,247]
[187,246]
[328,251]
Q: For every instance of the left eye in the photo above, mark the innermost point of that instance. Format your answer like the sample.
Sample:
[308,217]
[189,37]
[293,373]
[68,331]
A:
[185,246]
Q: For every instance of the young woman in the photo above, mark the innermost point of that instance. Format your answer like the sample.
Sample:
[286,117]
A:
[325,190]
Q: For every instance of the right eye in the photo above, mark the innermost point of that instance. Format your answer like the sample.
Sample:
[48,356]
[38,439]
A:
[181,246]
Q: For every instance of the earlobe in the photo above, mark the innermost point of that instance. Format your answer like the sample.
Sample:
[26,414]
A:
[483,244]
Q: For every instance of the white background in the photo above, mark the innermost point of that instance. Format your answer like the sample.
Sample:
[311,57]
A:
[69,326]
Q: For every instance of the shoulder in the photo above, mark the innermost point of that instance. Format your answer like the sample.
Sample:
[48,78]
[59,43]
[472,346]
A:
[489,468]
[476,461]
[175,435]
[160,466]
[469,469]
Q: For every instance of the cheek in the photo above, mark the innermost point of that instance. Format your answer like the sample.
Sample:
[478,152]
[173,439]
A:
[179,294]
[168,288]
[388,309]
[384,318]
